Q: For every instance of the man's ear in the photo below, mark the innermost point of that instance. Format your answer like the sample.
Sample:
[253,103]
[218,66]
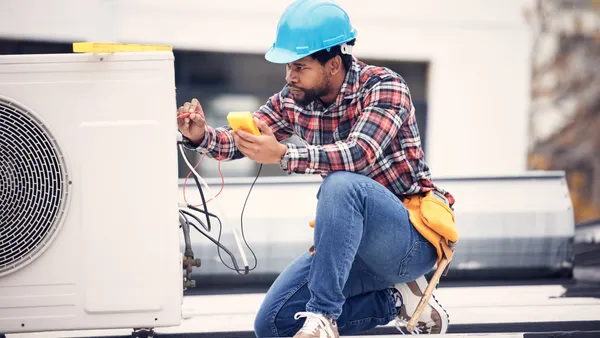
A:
[335,65]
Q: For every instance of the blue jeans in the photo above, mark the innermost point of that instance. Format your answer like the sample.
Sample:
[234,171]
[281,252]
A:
[364,244]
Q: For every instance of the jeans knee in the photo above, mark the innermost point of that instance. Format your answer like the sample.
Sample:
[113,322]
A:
[265,326]
[339,183]
[262,327]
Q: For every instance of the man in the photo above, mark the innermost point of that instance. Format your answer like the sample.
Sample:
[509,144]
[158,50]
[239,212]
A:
[359,130]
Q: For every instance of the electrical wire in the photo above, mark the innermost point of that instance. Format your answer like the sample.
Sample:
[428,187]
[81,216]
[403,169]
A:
[221,246]
[242,217]
[197,179]
[196,175]
[206,227]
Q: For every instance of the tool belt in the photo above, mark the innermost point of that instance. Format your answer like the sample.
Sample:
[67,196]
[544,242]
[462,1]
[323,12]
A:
[431,215]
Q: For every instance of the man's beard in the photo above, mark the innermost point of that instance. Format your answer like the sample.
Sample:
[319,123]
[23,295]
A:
[310,95]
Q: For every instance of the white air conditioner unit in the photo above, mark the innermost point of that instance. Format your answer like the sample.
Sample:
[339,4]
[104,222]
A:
[89,235]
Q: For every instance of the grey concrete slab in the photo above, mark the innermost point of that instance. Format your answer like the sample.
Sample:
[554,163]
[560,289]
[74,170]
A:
[517,306]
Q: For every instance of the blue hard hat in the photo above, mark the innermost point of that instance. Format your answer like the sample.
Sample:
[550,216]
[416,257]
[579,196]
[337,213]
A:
[308,26]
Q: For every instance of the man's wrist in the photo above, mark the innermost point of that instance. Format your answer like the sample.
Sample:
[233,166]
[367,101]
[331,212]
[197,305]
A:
[198,142]
[284,158]
[283,151]
[194,144]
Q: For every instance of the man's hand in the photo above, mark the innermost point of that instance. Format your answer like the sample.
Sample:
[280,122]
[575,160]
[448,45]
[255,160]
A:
[262,149]
[191,122]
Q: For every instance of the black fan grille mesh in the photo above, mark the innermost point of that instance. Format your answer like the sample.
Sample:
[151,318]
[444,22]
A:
[33,186]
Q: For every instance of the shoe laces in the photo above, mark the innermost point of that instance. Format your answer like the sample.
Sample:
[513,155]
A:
[402,322]
[314,322]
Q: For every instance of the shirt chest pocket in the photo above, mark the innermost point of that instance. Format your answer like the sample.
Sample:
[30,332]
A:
[342,131]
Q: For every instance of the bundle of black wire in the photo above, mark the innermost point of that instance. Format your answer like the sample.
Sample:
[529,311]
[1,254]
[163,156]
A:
[208,226]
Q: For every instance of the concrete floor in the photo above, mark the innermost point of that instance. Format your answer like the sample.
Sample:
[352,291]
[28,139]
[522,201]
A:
[475,311]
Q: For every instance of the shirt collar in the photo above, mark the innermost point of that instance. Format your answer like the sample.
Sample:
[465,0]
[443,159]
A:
[350,86]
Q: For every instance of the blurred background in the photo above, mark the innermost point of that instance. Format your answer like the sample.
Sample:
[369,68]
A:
[507,94]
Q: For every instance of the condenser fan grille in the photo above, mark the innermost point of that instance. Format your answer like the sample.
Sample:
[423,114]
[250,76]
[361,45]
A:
[33,186]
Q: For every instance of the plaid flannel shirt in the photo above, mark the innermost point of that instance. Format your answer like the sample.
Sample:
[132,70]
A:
[370,129]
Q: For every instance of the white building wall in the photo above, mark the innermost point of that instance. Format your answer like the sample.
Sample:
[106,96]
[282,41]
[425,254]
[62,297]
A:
[478,51]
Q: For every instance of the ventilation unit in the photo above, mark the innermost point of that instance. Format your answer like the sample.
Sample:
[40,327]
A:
[89,229]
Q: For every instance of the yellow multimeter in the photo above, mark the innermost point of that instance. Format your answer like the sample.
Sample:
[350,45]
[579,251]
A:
[244,121]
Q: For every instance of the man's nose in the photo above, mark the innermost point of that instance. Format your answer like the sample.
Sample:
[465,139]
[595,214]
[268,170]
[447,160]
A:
[290,77]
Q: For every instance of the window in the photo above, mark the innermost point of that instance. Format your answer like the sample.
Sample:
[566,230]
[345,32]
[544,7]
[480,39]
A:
[225,82]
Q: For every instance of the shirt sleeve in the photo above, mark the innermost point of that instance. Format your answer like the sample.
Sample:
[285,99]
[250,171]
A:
[385,107]
[218,142]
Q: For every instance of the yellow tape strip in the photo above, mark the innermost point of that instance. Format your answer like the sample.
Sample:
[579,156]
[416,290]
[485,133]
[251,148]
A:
[102,47]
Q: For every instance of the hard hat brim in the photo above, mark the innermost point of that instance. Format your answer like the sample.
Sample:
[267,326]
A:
[280,55]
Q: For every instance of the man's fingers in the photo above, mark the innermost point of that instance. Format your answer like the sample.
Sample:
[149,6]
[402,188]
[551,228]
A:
[236,138]
[180,121]
[194,118]
[195,104]
[264,128]
[197,118]
[247,136]
[240,141]
[190,117]
[194,107]
[179,113]
[196,112]
[243,146]
[246,150]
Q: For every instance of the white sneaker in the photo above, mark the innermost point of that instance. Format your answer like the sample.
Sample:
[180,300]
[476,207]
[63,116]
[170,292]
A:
[434,318]
[316,326]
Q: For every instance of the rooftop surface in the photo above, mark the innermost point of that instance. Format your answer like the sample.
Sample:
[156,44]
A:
[509,309]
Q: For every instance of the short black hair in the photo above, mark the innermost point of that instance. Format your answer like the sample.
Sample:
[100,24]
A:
[323,55]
